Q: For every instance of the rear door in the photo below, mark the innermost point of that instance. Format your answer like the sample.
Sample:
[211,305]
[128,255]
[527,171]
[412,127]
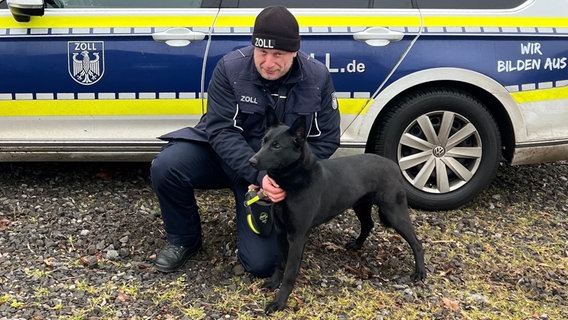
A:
[101,77]
[520,44]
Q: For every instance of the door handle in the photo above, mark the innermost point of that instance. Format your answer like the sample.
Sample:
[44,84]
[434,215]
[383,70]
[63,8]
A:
[378,36]
[178,37]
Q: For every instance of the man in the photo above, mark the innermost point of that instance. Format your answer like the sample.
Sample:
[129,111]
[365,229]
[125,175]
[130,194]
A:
[271,73]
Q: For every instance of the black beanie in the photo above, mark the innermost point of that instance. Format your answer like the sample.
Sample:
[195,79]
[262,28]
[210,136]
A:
[276,28]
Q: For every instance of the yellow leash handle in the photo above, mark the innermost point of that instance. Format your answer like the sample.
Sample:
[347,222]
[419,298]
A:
[254,199]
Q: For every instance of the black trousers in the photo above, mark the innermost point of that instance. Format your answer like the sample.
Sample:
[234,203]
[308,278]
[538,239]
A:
[179,169]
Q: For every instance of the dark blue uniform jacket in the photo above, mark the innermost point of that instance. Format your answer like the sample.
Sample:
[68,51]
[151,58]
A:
[237,99]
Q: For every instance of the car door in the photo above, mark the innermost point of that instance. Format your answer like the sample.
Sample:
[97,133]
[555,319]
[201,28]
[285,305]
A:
[361,45]
[100,77]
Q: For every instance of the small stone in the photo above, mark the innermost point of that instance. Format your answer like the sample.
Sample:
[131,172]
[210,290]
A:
[408,295]
[123,252]
[90,261]
[91,249]
[478,298]
[238,270]
[112,254]
[100,245]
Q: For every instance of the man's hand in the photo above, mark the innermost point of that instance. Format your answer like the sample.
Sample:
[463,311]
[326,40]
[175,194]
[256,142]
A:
[272,190]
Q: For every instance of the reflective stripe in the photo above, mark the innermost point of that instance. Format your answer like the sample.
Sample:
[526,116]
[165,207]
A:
[235,118]
[99,96]
[110,21]
[141,24]
[149,103]
[492,21]
[112,107]
[24,104]
[541,95]
[100,107]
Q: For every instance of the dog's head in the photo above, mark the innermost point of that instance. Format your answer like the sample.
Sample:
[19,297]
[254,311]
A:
[281,145]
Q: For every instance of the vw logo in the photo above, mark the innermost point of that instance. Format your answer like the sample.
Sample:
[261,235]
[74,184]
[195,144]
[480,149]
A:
[439,151]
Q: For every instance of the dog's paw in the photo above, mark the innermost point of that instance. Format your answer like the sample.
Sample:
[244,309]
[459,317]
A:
[273,307]
[271,285]
[353,245]
[418,276]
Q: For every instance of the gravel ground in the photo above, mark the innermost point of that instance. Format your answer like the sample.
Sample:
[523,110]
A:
[77,241]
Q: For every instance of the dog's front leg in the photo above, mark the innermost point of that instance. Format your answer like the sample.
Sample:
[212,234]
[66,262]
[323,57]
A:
[276,278]
[295,253]
[278,212]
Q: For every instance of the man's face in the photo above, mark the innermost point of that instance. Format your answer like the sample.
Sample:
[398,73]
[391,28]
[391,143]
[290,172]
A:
[272,64]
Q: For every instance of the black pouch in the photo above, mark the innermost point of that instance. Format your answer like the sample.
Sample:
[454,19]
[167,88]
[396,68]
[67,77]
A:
[259,215]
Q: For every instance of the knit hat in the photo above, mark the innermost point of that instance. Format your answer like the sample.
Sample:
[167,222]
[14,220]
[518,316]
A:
[276,28]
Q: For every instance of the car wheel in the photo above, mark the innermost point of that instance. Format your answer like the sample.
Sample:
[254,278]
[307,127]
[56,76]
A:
[446,143]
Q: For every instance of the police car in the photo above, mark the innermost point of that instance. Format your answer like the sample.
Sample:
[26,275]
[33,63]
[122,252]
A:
[448,89]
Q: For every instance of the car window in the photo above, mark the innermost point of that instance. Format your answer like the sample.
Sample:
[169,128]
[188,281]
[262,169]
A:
[477,4]
[124,3]
[304,3]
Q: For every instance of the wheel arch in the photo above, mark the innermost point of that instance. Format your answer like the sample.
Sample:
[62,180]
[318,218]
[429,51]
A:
[496,98]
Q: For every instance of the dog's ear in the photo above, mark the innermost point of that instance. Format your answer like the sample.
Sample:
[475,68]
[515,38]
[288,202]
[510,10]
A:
[271,117]
[298,130]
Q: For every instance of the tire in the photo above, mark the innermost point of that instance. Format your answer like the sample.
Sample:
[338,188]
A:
[446,143]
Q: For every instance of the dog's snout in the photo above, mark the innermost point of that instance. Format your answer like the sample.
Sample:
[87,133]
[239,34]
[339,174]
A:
[253,162]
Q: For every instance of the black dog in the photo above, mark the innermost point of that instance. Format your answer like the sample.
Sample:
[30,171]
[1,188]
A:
[318,190]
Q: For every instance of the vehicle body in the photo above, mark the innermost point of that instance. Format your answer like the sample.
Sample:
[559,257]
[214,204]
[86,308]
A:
[448,90]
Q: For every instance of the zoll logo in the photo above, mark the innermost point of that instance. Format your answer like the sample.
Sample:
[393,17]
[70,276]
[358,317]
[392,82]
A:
[264,43]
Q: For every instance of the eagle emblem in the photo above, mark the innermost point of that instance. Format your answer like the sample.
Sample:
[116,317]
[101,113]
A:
[86,61]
